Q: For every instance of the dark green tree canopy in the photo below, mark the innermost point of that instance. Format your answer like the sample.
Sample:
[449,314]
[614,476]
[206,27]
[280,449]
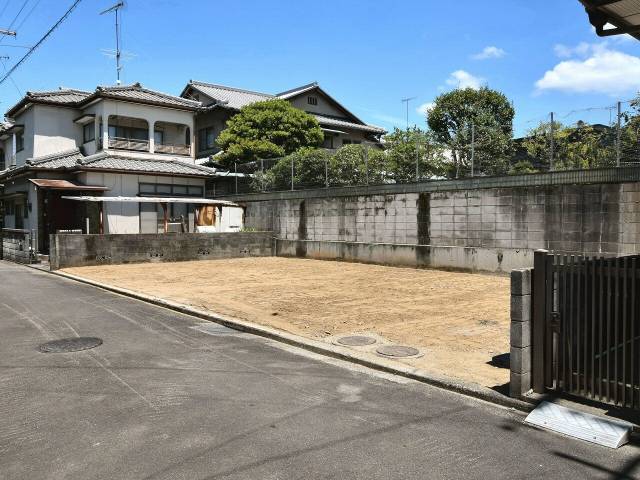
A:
[485,114]
[269,129]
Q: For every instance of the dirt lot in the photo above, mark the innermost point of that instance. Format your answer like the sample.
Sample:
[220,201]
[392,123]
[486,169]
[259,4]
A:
[459,320]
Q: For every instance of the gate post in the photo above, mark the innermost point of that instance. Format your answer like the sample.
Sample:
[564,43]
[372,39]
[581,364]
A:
[539,302]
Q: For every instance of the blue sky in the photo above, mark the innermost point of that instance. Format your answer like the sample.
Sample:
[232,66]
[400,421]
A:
[368,54]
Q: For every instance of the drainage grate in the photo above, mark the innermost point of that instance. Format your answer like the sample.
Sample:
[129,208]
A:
[356,341]
[66,345]
[397,351]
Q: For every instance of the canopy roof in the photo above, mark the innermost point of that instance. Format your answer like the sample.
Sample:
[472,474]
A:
[624,15]
[197,201]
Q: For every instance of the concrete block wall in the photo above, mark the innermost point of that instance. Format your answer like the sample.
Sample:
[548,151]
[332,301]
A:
[83,250]
[520,351]
[16,246]
[586,218]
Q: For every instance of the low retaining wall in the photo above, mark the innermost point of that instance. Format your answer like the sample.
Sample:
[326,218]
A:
[16,245]
[459,258]
[84,250]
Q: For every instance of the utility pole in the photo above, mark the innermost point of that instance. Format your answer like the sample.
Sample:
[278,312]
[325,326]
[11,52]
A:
[406,102]
[552,145]
[116,8]
[618,135]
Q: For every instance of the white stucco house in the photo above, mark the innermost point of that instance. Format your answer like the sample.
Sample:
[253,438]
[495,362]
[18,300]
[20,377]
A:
[120,141]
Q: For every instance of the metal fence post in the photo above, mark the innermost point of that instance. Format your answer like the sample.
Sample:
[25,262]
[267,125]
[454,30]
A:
[539,304]
[551,145]
[292,173]
[473,147]
[417,161]
[366,163]
[618,138]
[326,172]
[235,174]
[262,173]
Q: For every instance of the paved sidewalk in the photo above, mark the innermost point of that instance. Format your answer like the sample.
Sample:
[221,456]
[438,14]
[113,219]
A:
[160,399]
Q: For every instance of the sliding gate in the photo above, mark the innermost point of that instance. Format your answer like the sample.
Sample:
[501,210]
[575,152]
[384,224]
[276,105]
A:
[586,327]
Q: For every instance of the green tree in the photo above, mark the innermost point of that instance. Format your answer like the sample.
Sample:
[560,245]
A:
[357,165]
[581,147]
[405,148]
[268,129]
[485,114]
[308,171]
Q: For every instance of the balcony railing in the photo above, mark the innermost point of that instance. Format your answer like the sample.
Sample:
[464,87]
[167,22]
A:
[129,144]
[176,149]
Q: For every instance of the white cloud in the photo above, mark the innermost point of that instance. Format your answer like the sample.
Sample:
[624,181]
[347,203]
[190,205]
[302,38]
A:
[581,50]
[598,69]
[489,52]
[424,108]
[463,79]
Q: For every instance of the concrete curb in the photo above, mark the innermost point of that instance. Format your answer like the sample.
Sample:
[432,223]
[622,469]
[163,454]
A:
[465,388]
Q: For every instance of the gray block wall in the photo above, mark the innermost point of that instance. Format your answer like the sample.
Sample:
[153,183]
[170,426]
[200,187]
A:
[520,338]
[83,250]
[589,218]
[16,246]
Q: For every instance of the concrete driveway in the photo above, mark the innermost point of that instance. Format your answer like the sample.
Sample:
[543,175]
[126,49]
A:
[162,400]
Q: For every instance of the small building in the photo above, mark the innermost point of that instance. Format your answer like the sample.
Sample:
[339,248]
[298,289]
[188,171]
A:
[121,141]
[340,126]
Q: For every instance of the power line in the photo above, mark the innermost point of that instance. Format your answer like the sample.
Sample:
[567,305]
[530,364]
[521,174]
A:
[39,42]
[24,19]
[24,4]
[4,9]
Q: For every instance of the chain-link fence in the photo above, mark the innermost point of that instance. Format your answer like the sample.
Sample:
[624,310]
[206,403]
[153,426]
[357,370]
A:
[588,138]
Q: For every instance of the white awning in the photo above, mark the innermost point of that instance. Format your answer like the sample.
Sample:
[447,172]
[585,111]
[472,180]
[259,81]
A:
[196,201]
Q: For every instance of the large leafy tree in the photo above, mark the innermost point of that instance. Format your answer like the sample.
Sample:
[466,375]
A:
[485,114]
[413,154]
[269,129]
[582,146]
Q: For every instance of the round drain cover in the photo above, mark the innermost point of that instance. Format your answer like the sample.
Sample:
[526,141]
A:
[397,351]
[356,340]
[65,345]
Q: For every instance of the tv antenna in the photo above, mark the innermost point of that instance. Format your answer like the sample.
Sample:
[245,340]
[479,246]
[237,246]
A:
[116,8]
[406,101]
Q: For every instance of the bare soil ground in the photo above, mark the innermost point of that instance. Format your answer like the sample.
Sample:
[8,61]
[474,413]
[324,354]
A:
[459,320]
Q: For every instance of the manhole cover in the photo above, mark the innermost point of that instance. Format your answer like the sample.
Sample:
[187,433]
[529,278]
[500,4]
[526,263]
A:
[356,340]
[397,351]
[65,345]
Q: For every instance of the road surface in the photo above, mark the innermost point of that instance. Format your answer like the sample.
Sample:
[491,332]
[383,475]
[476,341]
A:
[160,399]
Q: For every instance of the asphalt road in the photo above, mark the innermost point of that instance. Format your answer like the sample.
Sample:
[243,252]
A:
[163,400]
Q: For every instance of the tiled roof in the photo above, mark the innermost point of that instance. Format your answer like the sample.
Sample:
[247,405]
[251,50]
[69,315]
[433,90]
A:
[79,98]
[334,122]
[297,91]
[228,96]
[66,159]
[106,160]
[119,161]
[137,92]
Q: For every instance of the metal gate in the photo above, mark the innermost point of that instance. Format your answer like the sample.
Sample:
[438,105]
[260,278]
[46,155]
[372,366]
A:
[586,327]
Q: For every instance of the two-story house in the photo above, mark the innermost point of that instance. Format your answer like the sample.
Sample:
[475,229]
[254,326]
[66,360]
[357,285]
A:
[340,126]
[120,141]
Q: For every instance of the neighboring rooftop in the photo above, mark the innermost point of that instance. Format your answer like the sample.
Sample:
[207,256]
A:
[236,98]
[79,98]
[624,15]
[116,161]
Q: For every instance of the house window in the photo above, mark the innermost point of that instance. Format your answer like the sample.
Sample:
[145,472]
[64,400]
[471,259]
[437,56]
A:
[312,100]
[167,189]
[88,132]
[206,138]
[348,141]
[158,137]
[328,140]
[130,133]
[19,141]
[3,163]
